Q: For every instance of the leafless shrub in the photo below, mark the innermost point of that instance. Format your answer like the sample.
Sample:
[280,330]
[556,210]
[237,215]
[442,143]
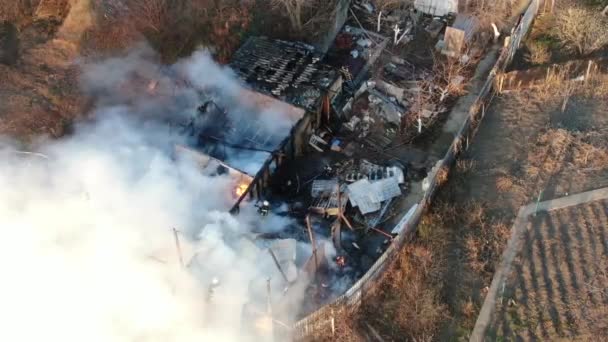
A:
[581,29]
[489,11]
[538,53]
[442,175]
[294,10]
[465,165]
[303,14]
[449,75]
[448,78]
[468,309]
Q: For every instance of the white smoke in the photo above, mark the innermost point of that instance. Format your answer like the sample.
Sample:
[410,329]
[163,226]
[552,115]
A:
[87,250]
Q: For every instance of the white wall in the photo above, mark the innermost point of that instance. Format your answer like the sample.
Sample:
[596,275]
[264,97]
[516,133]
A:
[437,7]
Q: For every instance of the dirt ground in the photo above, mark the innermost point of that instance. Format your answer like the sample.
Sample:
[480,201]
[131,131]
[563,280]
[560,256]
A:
[558,287]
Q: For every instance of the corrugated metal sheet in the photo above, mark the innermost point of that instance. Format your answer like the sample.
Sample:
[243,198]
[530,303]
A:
[468,23]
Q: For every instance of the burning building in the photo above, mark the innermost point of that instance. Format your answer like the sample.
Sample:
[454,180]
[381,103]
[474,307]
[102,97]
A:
[288,99]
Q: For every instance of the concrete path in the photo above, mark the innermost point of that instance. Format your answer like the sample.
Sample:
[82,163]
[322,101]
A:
[513,248]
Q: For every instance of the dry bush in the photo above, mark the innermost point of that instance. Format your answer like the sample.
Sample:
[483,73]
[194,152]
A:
[589,151]
[558,87]
[538,53]
[442,175]
[489,11]
[504,183]
[532,171]
[581,29]
[468,309]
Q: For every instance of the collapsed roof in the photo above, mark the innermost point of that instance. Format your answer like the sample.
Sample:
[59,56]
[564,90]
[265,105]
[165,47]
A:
[244,134]
[289,71]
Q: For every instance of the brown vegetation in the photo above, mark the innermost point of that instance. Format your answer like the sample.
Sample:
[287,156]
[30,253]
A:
[172,27]
[581,29]
[490,11]
[17,11]
[413,314]
[538,54]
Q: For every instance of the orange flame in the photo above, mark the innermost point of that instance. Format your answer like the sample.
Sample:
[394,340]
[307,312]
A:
[240,189]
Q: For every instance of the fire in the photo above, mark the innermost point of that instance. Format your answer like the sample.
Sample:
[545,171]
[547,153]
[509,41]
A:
[152,86]
[341,261]
[240,189]
[264,324]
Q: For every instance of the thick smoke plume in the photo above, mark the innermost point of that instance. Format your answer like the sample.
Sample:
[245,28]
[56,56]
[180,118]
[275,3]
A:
[88,250]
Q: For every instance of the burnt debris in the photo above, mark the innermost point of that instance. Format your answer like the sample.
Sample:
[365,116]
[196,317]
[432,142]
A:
[289,71]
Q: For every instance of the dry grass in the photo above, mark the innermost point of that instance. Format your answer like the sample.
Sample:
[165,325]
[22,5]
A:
[559,149]
[547,157]
[558,86]
[393,313]
[483,238]
[412,314]
[587,153]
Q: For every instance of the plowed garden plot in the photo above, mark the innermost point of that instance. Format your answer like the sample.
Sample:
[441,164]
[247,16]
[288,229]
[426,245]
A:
[558,285]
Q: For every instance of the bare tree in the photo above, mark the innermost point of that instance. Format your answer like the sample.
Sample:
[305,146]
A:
[295,10]
[581,29]
[150,14]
